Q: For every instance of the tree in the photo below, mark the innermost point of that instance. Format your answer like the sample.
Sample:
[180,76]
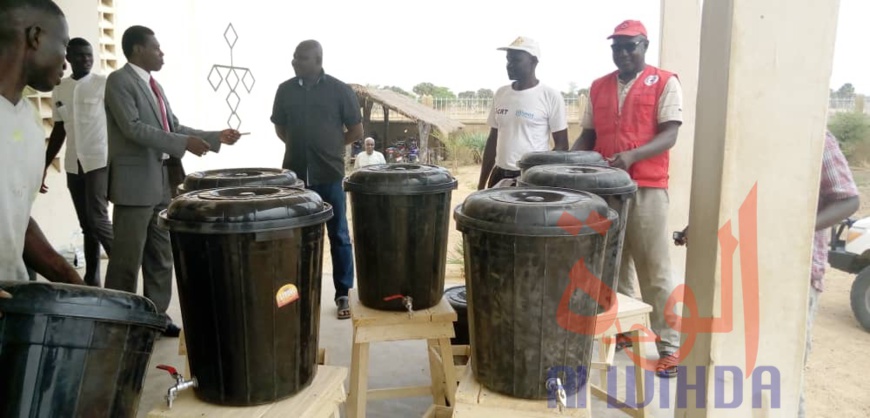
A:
[467,95]
[433,90]
[846,91]
[399,90]
[485,94]
[423,89]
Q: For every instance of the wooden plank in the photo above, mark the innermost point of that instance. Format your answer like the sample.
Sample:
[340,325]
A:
[397,332]
[473,400]
[436,411]
[362,315]
[318,400]
[403,392]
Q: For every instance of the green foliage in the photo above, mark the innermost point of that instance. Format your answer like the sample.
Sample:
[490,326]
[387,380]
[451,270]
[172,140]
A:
[474,142]
[485,94]
[400,91]
[845,91]
[463,149]
[850,127]
[434,91]
[852,131]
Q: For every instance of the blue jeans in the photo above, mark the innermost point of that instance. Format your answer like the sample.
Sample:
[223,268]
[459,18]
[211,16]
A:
[339,238]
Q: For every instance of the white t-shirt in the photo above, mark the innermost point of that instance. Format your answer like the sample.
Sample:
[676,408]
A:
[525,119]
[79,104]
[363,159]
[22,154]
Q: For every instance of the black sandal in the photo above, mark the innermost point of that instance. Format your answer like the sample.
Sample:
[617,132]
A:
[343,311]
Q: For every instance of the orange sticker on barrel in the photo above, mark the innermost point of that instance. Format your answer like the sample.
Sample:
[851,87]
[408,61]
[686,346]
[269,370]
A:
[286,295]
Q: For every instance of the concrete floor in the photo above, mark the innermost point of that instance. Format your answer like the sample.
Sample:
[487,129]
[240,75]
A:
[392,364]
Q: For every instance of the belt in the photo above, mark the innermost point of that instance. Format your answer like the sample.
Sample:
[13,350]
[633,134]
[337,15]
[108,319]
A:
[508,173]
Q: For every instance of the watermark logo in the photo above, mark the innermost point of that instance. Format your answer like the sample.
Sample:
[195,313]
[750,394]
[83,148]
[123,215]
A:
[581,278]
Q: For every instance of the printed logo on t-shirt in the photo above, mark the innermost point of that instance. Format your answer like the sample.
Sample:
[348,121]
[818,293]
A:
[501,111]
[525,115]
[17,136]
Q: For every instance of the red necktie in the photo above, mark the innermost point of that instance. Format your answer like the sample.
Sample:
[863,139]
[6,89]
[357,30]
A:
[156,91]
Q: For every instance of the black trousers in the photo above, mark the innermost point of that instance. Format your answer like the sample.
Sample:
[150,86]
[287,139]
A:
[89,195]
[498,174]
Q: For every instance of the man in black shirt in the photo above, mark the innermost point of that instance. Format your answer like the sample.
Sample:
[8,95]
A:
[311,113]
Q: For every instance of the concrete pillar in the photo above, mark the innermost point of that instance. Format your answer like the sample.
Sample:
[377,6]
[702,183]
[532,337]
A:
[762,99]
[679,52]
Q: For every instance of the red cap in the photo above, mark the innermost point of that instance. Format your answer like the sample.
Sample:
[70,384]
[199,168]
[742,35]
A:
[629,28]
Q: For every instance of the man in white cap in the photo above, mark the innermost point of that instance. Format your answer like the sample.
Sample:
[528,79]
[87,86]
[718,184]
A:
[523,116]
[369,156]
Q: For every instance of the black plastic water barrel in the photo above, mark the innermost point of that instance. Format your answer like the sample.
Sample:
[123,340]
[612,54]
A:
[401,215]
[457,297]
[615,186]
[533,159]
[74,351]
[236,177]
[525,250]
[248,261]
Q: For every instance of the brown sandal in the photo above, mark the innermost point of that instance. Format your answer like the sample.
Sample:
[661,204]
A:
[623,341]
[667,365]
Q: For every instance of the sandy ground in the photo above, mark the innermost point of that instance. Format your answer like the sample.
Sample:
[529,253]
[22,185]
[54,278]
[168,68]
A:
[839,365]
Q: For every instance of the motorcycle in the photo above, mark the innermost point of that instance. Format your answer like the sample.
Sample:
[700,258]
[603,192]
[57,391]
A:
[852,255]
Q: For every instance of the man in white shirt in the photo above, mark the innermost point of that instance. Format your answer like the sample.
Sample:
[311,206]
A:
[523,116]
[32,39]
[370,156]
[80,116]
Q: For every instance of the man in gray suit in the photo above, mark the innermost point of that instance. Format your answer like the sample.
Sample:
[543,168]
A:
[146,143]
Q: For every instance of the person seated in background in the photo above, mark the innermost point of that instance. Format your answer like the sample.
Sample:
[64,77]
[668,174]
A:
[838,199]
[370,156]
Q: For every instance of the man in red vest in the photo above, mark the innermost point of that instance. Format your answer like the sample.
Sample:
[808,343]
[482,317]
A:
[632,120]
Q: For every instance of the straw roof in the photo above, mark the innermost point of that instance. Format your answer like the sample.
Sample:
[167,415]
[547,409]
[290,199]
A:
[408,107]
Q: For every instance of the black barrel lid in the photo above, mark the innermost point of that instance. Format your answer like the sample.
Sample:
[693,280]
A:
[456,296]
[533,159]
[535,211]
[400,179]
[234,177]
[244,210]
[601,180]
[39,298]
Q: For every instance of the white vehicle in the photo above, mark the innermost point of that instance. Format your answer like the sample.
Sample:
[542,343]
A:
[852,255]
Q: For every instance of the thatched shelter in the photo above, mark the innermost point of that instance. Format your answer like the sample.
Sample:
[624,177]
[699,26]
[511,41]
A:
[426,117]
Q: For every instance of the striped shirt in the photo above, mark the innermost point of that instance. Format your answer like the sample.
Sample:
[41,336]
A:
[836,184]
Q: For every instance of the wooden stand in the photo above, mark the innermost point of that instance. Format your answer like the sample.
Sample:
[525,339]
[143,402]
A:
[630,313]
[435,325]
[475,401]
[322,399]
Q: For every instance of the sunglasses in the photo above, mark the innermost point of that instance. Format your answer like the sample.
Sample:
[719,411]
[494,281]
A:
[626,46]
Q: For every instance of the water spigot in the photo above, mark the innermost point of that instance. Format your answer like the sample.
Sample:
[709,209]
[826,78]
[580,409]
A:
[555,385]
[407,302]
[180,384]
